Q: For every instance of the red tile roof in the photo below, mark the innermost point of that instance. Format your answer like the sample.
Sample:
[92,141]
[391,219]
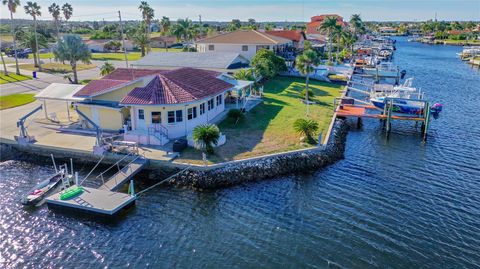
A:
[96,87]
[128,74]
[177,86]
[294,35]
[316,21]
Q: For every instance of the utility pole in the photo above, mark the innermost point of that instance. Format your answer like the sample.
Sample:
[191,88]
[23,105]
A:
[200,19]
[123,39]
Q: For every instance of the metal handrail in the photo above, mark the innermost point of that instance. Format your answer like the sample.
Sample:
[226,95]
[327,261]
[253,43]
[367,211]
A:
[113,165]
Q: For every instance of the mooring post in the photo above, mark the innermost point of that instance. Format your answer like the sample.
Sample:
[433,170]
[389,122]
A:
[427,121]
[132,189]
[76,179]
[359,122]
[389,117]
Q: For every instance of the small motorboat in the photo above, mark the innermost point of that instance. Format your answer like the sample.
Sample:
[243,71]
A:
[44,188]
[400,106]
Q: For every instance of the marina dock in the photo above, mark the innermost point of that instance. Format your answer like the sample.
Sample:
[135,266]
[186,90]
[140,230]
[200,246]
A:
[93,201]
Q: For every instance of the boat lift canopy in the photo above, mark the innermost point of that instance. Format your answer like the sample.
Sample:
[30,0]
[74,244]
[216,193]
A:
[59,92]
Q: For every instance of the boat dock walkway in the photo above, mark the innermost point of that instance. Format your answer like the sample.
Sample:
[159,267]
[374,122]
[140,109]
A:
[104,200]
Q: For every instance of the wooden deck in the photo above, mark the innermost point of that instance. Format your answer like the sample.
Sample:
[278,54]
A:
[365,111]
[93,201]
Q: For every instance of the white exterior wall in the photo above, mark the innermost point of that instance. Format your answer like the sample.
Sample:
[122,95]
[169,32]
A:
[237,48]
[178,129]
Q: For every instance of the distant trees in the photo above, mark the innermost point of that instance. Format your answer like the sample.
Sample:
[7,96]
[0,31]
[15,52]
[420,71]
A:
[234,25]
[33,9]
[184,29]
[67,11]
[12,7]
[72,49]
[147,15]
[267,64]
[54,10]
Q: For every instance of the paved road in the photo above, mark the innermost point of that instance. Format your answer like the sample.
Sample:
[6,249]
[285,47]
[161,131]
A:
[45,79]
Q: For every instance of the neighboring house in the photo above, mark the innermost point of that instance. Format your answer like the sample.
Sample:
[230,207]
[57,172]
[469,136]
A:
[97,45]
[162,41]
[216,61]
[244,42]
[154,106]
[387,30]
[296,36]
[316,21]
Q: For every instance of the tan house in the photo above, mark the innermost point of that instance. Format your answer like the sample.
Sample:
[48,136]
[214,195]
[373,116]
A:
[244,42]
[162,41]
[296,36]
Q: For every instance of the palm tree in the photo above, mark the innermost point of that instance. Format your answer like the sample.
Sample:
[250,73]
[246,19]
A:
[35,41]
[67,11]
[165,23]
[356,23]
[205,136]
[72,49]
[33,9]
[307,128]
[106,69]
[4,65]
[140,38]
[183,29]
[305,64]
[147,15]
[12,7]
[328,26]
[54,9]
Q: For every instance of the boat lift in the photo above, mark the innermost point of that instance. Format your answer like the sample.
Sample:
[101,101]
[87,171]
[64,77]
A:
[98,130]
[24,138]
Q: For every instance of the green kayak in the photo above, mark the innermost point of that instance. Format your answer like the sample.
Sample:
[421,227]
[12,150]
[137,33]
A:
[71,192]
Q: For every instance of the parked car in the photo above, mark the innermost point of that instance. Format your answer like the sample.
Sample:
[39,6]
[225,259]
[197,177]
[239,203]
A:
[176,46]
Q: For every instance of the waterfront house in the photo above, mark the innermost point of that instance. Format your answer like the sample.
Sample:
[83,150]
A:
[316,21]
[296,36]
[225,62]
[153,106]
[244,42]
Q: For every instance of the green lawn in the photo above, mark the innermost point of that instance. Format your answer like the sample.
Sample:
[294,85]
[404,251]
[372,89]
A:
[268,128]
[56,67]
[12,77]
[13,100]
[113,56]
[459,42]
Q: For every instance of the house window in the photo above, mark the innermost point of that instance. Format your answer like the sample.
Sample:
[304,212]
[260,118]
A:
[179,116]
[171,116]
[211,47]
[175,116]
[244,48]
[141,114]
[156,117]
[202,108]
[219,100]
[211,105]
[192,113]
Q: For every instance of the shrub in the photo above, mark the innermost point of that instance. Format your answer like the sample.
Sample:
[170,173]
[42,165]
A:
[235,115]
[310,94]
[205,136]
[306,128]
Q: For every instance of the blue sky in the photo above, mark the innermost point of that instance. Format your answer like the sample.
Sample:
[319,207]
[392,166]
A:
[271,10]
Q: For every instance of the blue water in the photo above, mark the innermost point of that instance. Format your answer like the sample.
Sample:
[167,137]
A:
[393,203]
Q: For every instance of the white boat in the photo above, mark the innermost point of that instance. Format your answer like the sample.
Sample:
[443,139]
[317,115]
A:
[384,69]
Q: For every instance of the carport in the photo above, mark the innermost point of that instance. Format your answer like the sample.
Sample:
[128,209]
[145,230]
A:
[59,92]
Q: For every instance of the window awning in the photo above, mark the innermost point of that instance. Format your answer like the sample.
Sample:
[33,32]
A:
[60,91]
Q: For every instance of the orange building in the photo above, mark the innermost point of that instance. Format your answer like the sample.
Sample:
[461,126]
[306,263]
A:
[316,21]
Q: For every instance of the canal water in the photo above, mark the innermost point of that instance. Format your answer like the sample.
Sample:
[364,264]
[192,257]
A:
[388,204]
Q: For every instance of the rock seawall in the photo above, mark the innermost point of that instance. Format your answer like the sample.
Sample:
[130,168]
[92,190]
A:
[268,167]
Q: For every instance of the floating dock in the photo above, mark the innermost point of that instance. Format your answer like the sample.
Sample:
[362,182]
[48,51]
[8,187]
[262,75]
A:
[93,201]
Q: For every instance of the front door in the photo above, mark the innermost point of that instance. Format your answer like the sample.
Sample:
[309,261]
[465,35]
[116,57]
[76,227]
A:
[141,119]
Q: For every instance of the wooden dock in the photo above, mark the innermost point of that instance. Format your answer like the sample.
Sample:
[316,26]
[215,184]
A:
[93,201]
